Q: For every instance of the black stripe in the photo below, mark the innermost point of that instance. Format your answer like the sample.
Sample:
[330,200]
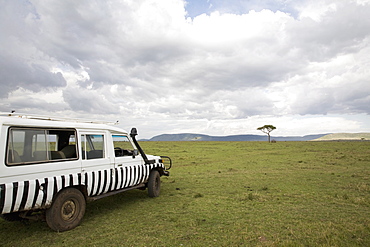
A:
[141,174]
[133,176]
[116,182]
[136,173]
[79,179]
[122,179]
[45,190]
[55,191]
[99,182]
[105,181]
[111,180]
[92,183]
[15,191]
[25,195]
[148,171]
[106,185]
[70,180]
[63,182]
[146,168]
[86,180]
[37,190]
[128,177]
[144,174]
[2,197]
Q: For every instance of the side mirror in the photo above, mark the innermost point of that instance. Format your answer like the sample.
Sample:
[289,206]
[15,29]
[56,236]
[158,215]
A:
[135,153]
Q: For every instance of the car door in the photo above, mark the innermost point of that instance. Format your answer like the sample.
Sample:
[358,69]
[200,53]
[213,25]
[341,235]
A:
[97,163]
[129,165]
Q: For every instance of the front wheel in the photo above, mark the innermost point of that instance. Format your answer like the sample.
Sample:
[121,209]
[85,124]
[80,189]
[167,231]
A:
[154,184]
[66,211]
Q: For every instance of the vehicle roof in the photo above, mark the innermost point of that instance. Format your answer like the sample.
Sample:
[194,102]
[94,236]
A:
[50,122]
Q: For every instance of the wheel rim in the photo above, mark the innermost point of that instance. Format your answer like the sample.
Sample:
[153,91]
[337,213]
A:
[69,210]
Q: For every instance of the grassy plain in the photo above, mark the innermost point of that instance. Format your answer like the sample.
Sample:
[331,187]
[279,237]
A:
[231,194]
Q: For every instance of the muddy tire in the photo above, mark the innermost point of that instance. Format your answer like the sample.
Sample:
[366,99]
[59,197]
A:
[154,184]
[66,211]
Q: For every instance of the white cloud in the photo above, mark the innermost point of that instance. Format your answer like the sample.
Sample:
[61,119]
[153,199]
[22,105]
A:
[146,60]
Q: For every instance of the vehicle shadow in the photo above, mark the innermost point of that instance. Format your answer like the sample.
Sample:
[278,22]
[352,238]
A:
[112,203]
[94,210]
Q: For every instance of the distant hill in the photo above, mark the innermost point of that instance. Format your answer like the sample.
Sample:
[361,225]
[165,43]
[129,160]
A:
[200,137]
[345,137]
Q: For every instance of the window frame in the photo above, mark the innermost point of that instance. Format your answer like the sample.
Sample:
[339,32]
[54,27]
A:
[86,141]
[130,152]
[46,131]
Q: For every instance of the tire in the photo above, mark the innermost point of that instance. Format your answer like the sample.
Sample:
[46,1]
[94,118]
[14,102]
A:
[66,211]
[154,184]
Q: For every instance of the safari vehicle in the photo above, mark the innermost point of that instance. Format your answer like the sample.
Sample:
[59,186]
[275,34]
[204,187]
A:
[51,167]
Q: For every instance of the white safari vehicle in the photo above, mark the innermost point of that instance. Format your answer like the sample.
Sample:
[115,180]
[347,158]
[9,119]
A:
[51,167]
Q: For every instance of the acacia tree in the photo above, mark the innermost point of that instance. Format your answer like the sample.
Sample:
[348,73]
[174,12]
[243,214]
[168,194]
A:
[267,129]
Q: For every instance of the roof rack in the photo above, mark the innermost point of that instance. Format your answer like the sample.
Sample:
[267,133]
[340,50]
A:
[42,117]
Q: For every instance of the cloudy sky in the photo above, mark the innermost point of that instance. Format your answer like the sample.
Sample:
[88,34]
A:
[196,66]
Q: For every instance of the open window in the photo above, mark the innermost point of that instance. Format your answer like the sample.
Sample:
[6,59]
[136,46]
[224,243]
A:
[123,146]
[35,145]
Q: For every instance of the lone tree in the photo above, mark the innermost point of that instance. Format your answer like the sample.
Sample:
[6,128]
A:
[267,129]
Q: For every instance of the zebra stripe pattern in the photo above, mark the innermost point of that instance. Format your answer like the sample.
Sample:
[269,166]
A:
[100,182]
[39,193]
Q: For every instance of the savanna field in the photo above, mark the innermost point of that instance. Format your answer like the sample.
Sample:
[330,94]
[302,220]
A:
[231,194]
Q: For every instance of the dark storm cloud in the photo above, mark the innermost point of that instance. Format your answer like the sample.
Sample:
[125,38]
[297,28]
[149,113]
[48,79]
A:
[15,73]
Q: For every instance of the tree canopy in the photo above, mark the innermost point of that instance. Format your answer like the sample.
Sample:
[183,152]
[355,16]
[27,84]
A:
[267,129]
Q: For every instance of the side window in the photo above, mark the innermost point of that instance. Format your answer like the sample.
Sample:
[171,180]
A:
[69,148]
[122,146]
[40,146]
[92,146]
[16,145]
[31,145]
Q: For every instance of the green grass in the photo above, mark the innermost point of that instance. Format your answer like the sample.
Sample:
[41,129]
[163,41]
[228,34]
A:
[231,194]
